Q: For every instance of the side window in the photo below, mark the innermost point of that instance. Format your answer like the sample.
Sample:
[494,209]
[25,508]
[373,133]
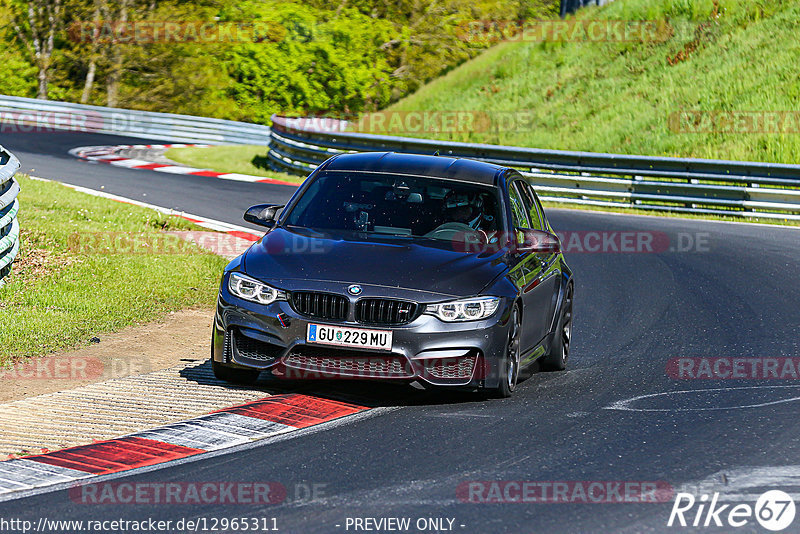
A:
[518,211]
[533,206]
[538,207]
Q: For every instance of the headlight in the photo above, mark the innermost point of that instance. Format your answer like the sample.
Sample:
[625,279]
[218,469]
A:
[471,309]
[251,289]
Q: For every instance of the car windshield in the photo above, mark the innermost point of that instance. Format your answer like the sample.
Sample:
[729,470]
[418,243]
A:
[398,205]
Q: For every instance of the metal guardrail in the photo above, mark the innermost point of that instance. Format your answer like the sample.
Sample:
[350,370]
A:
[9,206]
[684,185]
[28,114]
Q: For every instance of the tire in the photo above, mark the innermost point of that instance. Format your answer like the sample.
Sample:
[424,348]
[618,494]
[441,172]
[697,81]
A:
[234,375]
[556,357]
[509,366]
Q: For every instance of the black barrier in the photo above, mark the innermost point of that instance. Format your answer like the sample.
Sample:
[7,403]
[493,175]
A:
[571,6]
[9,205]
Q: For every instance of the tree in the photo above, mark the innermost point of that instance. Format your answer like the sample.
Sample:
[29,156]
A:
[36,23]
[91,70]
[120,9]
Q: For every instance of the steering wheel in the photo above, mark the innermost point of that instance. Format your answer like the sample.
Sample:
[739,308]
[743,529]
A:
[449,230]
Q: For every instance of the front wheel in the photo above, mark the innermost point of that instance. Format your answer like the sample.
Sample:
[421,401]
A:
[509,365]
[556,358]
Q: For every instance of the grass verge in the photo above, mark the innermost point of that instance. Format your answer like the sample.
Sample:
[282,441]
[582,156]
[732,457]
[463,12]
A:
[242,159]
[626,97]
[59,294]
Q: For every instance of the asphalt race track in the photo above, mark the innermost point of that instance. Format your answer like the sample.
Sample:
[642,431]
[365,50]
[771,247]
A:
[733,293]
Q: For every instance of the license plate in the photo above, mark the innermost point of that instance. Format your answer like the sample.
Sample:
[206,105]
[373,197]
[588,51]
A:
[349,337]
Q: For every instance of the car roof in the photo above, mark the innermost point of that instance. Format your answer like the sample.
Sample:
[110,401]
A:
[466,170]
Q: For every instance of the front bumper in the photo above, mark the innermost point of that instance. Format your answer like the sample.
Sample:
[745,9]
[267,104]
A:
[255,336]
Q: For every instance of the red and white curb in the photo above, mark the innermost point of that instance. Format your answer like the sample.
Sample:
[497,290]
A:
[253,421]
[110,154]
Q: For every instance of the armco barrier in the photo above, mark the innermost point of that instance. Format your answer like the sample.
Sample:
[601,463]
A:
[9,205]
[686,185]
[30,114]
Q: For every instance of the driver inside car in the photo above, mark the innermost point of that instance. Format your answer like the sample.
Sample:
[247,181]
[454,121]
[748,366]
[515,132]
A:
[466,213]
[465,219]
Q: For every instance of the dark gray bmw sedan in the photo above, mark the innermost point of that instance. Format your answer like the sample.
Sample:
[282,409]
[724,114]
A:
[387,266]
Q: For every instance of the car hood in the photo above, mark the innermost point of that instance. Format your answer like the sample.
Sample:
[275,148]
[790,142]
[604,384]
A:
[290,255]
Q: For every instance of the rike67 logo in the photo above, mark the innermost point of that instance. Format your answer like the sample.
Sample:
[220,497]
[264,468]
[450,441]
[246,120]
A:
[774,510]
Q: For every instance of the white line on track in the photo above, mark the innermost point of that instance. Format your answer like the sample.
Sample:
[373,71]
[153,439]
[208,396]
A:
[625,405]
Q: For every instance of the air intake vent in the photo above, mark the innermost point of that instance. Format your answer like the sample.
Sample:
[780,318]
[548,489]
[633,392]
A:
[451,368]
[321,305]
[253,349]
[385,311]
[337,362]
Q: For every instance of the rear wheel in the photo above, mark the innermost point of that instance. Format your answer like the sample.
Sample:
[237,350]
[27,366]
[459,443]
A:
[509,365]
[234,375]
[556,358]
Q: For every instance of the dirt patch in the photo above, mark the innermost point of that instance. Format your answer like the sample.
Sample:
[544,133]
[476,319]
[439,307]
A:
[179,337]
[39,257]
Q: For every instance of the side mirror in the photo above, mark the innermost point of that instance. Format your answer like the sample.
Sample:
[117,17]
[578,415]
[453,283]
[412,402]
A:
[538,242]
[262,214]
